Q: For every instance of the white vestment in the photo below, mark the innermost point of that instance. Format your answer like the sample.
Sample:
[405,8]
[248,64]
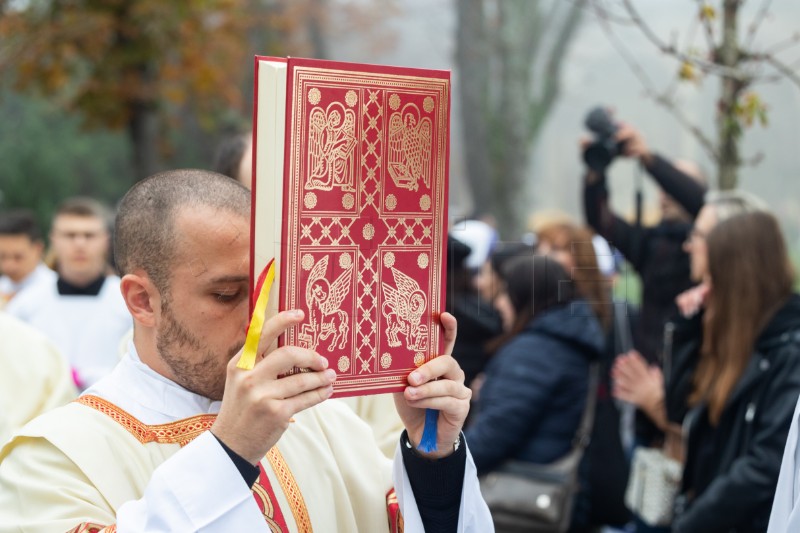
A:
[785,516]
[136,454]
[379,412]
[34,377]
[41,275]
[85,329]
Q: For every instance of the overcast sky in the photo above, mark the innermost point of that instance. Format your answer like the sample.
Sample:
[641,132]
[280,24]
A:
[422,35]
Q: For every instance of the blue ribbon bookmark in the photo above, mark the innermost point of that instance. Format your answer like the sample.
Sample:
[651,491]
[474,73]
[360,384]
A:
[428,442]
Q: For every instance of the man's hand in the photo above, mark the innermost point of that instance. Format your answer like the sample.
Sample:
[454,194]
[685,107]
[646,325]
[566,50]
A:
[257,406]
[633,144]
[438,384]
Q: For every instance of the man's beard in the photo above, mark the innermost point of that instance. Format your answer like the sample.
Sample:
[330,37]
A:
[195,367]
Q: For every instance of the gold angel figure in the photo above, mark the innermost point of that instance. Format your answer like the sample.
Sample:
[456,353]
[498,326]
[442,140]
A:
[410,148]
[403,307]
[331,148]
[324,300]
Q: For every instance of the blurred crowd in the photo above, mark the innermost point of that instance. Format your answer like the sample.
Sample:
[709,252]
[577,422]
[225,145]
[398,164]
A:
[705,368]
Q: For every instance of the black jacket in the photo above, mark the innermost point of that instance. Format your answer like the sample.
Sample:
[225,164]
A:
[731,471]
[655,252]
[531,403]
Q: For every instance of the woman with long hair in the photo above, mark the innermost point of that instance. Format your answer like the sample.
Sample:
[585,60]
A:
[571,245]
[535,390]
[747,379]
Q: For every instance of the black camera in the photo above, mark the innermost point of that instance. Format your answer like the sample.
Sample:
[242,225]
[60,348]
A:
[605,147]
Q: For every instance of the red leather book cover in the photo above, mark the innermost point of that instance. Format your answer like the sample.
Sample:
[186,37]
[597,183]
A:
[360,242]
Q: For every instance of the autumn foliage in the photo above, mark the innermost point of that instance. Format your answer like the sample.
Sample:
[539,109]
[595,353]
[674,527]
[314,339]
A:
[105,57]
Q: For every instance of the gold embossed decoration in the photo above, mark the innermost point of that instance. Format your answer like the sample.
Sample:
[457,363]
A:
[425,202]
[348,201]
[386,361]
[427,104]
[403,307]
[422,260]
[368,231]
[410,148]
[307,261]
[343,364]
[310,200]
[419,359]
[331,148]
[391,202]
[345,261]
[314,96]
[324,300]
[351,98]
[388,259]
[394,102]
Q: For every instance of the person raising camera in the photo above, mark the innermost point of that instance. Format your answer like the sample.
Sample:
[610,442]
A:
[655,252]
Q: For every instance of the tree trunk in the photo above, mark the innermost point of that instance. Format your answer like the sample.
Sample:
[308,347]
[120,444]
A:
[143,132]
[472,58]
[519,32]
[728,128]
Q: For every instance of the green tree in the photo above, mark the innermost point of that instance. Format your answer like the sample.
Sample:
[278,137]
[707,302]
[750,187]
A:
[131,64]
[47,158]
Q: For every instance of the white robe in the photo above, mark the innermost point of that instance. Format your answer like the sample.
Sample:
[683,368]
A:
[86,329]
[34,377]
[337,477]
[41,275]
[785,516]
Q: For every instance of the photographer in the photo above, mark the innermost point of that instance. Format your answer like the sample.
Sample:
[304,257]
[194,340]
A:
[656,252]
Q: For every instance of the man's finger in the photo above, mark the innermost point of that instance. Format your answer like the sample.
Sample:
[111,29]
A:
[275,326]
[285,358]
[303,401]
[302,382]
[442,387]
[443,366]
[450,325]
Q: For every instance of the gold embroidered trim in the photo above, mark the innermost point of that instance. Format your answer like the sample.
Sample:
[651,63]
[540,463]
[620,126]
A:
[291,490]
[180,432]
[184,431]
[91,527]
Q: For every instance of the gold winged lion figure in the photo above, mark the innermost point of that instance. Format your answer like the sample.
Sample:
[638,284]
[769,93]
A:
[324,300]
[403,308]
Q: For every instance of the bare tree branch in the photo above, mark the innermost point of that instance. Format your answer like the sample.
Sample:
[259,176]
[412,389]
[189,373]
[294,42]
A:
[703,64]
[784,45]
[708,29]
[664,100]
[784,69]
[757,21]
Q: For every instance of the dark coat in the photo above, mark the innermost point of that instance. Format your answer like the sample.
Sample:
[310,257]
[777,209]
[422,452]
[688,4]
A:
[656,252]
[535,390]
[732,470]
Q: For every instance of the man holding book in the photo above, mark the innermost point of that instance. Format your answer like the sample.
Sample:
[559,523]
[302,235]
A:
[178,438]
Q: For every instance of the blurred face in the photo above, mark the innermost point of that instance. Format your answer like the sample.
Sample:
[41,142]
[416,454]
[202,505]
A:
[695,244]
[560,254]
[80,244]
[487,282]
[204,311]
[19,256]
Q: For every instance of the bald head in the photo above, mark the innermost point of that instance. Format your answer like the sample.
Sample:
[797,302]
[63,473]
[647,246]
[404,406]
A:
[145,232]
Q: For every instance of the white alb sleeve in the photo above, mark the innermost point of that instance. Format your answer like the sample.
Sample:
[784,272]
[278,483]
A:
[197,489]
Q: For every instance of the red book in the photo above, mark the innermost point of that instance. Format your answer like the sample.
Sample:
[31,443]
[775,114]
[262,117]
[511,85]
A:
[350,175]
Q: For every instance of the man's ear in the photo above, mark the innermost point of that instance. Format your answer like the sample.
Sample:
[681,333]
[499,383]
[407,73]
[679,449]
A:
[141,297]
